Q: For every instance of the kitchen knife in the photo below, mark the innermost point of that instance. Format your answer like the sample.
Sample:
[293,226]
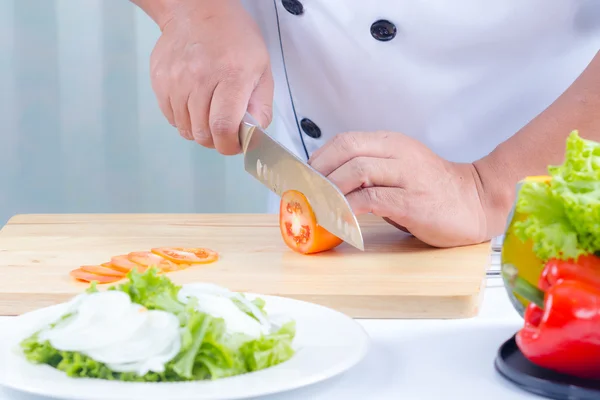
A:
[280,170]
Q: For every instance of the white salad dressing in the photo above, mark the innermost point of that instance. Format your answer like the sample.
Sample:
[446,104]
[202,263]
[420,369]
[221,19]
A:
[218,302]
[109,328]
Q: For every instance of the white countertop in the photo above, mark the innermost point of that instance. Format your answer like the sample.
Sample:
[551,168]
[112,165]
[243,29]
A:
[420,359]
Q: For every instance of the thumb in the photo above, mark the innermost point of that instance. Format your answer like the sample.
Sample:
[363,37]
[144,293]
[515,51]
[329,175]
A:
[260,105]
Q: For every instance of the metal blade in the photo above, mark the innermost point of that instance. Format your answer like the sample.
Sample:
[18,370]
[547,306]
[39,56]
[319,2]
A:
[280,170]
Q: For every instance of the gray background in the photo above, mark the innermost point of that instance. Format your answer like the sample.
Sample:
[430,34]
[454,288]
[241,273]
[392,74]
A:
[80,128]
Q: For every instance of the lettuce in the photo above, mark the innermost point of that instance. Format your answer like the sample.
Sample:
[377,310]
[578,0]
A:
[270,349]
[207,351]
[563,215]
[153,291]
[259,303]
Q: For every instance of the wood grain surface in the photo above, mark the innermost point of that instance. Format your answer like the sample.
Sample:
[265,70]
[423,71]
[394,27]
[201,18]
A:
[397,276]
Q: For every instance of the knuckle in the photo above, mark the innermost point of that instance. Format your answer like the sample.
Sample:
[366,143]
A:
[176,72]
[200,135]
[370,199]
[182,124]
[231,70]
[373,196]
[196,69]
[204,141]
[156,65]
[157,72]
[185,134]
[382,202]
[222,126]
[202,138]
[195,60]
[346,142]
[361,168]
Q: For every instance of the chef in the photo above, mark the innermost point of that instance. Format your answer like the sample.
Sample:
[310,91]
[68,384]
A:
[426,113]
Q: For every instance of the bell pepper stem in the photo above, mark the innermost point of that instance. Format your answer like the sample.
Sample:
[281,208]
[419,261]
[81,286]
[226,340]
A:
[523,288]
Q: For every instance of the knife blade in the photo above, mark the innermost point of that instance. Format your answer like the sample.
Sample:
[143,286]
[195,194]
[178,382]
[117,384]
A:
[280,170]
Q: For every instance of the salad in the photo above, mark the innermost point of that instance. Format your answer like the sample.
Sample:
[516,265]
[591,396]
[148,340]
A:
[560,222]
[150,330]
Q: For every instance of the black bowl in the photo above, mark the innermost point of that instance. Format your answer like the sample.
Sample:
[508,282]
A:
[513,366]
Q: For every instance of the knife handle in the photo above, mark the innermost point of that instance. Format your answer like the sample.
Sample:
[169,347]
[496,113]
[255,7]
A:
[246,128]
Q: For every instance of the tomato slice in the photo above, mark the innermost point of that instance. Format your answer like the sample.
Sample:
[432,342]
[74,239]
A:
[182,255]
[102,270]
[81,275]
[148,259]
[299,227]
[123,264]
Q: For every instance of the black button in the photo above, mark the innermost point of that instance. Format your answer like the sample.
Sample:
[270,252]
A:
[293,6]
[383,30]
[310,128]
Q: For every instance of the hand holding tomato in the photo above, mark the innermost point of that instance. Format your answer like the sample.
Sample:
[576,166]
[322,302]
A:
[396,177]
[208,68]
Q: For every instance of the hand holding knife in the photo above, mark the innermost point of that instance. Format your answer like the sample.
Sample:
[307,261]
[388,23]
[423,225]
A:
[280,170]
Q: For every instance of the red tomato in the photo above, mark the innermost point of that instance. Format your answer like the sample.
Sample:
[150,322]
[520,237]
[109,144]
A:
[124,264]
[299,227]
[102,270]
[181,255]
[148,259]
[81,275]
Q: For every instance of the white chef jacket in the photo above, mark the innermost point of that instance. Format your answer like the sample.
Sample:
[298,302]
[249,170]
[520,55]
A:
[461,76]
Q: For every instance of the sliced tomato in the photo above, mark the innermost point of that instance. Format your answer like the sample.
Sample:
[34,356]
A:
[182,255]
[122,263]
[148,259]
[299,227]
[81,275]
[102,270]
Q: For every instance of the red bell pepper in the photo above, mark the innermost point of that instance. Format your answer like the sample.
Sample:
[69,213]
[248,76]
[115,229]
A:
[564,336]
[585,269]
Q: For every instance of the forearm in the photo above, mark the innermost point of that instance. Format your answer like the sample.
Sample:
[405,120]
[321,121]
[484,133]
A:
[539,144]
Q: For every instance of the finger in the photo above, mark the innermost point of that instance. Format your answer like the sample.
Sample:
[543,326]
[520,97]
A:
[381,201]
[164,104]
[365,172]
[227,108]
[261,101]
[396,225]
[184,134]
[347,146]
[198,108]
[160,88]
[182,116]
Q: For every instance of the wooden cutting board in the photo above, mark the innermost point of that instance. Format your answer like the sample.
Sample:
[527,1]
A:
[396,276]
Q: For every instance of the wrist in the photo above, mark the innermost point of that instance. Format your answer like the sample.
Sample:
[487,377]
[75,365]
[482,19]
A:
[497,192]
[162,11]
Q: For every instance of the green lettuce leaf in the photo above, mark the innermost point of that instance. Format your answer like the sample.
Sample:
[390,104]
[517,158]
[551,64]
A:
[258,302]
[153,291]
[271,349]
[562,215]
[77,365]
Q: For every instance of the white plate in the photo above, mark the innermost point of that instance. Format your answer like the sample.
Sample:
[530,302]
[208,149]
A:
[328,343]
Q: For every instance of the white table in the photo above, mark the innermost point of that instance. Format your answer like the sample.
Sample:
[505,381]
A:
[420,359]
